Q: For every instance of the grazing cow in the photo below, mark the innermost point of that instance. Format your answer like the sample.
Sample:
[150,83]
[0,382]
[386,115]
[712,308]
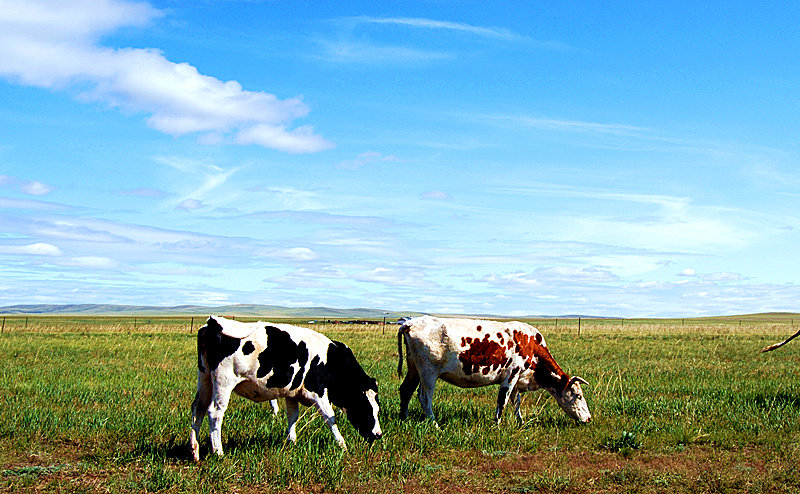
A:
[265,361]
[473,353]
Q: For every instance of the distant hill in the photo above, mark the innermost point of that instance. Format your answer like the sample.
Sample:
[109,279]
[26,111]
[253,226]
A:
[249,310]
[243,310]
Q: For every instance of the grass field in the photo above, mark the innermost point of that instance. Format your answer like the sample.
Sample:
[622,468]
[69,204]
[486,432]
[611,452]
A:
[102,405]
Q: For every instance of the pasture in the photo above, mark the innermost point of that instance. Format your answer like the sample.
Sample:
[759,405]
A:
[103,405]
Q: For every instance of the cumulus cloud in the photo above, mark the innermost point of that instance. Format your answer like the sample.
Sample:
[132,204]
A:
[688,272]
[53,44]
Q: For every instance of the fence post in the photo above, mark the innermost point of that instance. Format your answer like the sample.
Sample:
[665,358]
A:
[191,325]
[3,330]
[579,327]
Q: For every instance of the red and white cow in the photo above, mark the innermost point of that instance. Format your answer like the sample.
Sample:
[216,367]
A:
[471,353]
[264,361]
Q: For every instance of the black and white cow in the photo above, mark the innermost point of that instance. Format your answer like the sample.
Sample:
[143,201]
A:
[471,353]
[264,361]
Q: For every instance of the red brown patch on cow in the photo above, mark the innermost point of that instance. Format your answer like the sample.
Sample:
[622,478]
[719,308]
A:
[482,354]
[547,372]
[479,328]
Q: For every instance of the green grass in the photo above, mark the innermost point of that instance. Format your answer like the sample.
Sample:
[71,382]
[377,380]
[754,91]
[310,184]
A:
[680,406]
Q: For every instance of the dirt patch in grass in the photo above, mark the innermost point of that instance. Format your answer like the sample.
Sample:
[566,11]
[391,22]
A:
[697,469]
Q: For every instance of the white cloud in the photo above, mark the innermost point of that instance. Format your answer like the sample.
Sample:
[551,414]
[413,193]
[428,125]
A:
[687,272]
[189,205]
[91,262]
[294,254]
[340,51]
[300,140]
[489,32]
[395,276]
[29,187]
[571,125]
[569,274]
[37,249]
[366,158]
[723,277]
[53,44]
[436,195]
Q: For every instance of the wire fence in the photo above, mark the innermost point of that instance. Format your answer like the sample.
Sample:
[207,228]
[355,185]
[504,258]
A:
[578,325]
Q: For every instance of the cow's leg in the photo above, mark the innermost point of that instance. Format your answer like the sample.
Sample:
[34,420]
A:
[216,411]
[410,384]
[292,413]
[326,410]
[516,399]
[199,408]
[507,387]
[425,395]
[274,405]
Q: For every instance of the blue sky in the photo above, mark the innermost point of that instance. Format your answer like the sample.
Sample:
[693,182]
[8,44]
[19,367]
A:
[527,158]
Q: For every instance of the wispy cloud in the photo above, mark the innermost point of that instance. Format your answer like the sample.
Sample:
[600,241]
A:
[348,48]
[488,32]
[54,45]
[367,158]
[350,51]
[436,195]
[491,32]
[567,125]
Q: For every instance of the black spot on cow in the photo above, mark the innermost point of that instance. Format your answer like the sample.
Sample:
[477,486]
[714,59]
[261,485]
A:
[317,376]
[248,348]
[279,358]
[215,345]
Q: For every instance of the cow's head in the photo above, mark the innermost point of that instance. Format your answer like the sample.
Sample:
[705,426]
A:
[354,391]
[572,401]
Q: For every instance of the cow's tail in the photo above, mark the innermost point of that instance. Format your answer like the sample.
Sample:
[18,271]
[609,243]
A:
[403,330]
[777,345]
